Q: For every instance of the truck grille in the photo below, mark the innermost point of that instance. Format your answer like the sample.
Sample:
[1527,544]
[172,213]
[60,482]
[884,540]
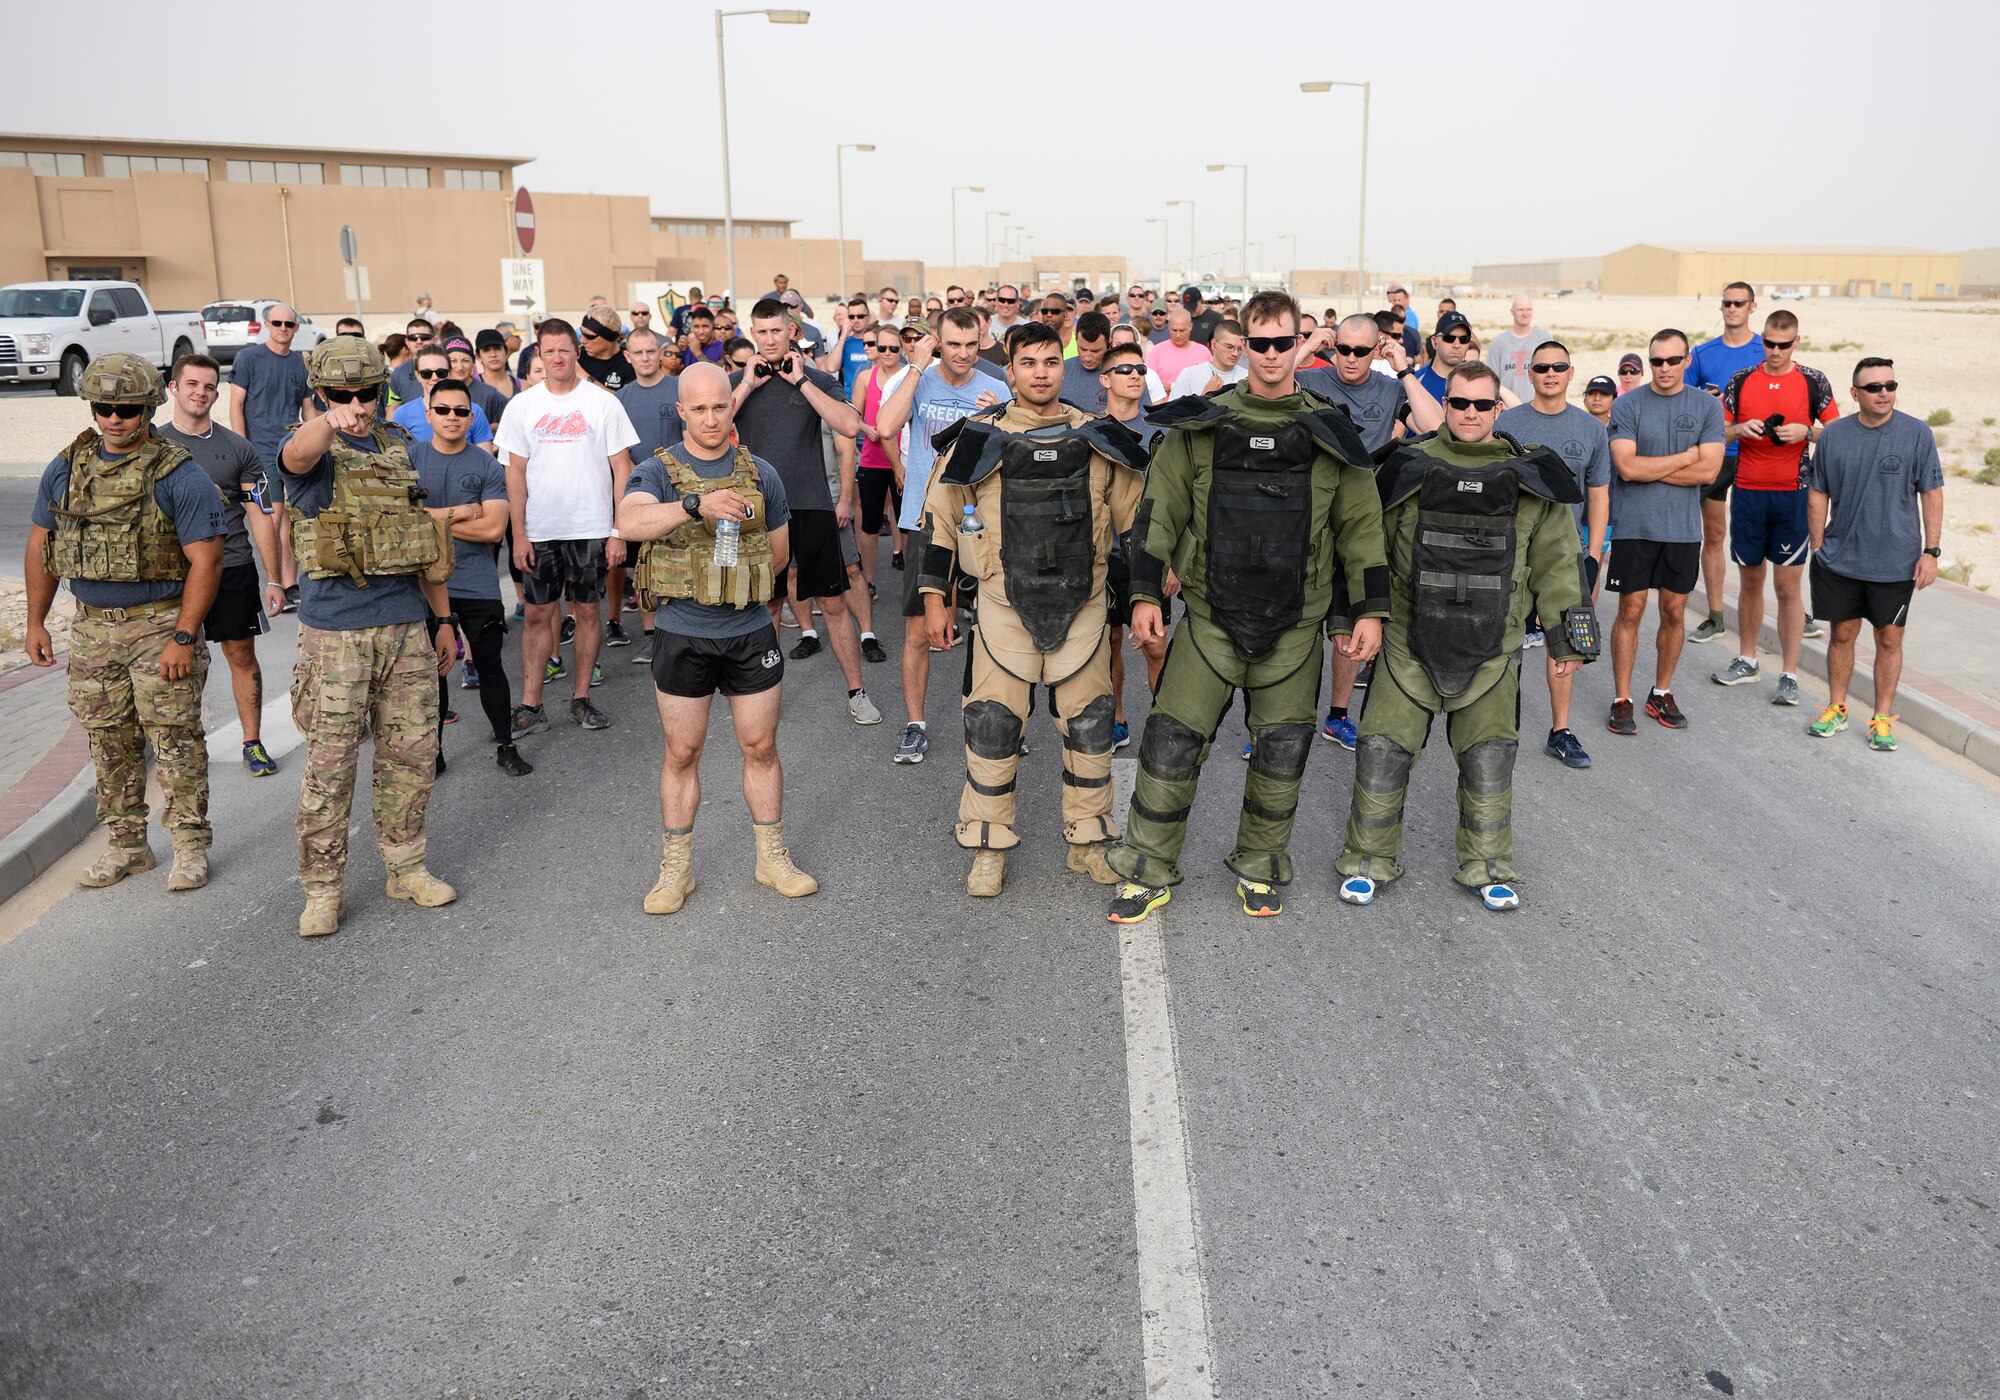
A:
[9,355]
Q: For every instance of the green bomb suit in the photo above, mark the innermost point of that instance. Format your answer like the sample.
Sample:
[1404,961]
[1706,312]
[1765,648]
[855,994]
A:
[1266,511]
[1477,532]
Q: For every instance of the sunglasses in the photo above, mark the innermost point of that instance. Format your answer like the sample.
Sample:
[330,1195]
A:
[1628,369]
[1735,301]
[449,411]
[1657,361]
[1560,367]
[955,301]
[1461,403]
[1770,344]
[417,338]
[119,410]
[1887,386]
[1265,344]
[287,326]
[1126,369]
[1358,352]
[1008,301]
[857,315]
[366,394]
[911,337]
[1456,339]
[891,301]
[892,348]
[433,374]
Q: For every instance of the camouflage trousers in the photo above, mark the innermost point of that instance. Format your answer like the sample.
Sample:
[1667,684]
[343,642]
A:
[116,694]
[385,677]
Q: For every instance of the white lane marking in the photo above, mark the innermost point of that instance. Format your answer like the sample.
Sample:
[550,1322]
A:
[1173,1302]
[280,736]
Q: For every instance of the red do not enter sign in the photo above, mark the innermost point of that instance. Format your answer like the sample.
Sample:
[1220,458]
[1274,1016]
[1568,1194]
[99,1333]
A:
[524,220]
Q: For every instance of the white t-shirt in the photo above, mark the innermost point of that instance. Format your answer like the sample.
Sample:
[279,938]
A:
[568,441]
[1194,379]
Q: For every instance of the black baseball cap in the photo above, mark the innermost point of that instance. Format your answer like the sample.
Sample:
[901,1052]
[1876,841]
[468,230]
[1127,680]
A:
[1453,321]
[490,340]
[1601,384]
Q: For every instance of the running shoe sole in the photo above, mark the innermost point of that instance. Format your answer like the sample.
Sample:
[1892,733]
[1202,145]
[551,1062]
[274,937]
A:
[1498,897]
[1260,901]
[1133,908]
[1357,889]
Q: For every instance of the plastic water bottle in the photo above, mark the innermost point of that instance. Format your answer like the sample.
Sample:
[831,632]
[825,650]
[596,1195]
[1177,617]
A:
[728,536]
[971,524]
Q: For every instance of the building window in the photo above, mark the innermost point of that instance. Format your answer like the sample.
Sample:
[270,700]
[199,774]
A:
[399,177]
[124,167]
[461,179]
[683,229]
[45,162]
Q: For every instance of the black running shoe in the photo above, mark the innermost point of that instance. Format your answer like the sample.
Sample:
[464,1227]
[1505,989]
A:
[568,628]
[1660,705]
[871,650]
[808,646]
[511,763]
[1621,721]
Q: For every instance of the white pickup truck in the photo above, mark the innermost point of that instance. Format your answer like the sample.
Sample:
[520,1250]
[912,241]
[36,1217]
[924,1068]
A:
[50,330]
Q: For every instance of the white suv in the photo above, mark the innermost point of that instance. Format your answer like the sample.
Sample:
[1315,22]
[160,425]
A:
[228,326]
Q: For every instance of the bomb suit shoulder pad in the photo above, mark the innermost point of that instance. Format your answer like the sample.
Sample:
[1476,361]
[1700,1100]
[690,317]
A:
[1400,468]
[1544,473]
[973,446]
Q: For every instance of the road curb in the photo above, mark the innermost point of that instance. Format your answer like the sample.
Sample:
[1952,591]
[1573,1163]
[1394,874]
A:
[38,843]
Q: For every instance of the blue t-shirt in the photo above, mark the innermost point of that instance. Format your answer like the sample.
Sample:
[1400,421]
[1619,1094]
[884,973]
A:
[1713,362]
[187,496]
[1432,381]
[854,355]
[273,388]
[683,616]
[414,420]
[462,478]
[938,405]
[336,604]
[655,413]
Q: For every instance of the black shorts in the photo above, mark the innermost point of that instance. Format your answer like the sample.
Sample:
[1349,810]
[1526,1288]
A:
[816,556]
[238,609]
[1718,489]
[475,615]
[1838,598]
[876,486]
[698,667]
[1638,566]
[572,569]
[1118,590]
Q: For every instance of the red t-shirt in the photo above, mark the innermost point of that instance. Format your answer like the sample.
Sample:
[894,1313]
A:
[1764,463]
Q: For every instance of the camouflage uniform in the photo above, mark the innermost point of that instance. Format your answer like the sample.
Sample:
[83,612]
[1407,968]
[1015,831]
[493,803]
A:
[116,694]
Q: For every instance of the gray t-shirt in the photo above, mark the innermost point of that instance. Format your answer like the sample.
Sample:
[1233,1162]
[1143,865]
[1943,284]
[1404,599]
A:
[273,387]
[779,426]
[1581,440]
[187,496]
[1874,528]
[683,616]
[236,469]
[1374,404]
[1509,356]
[1661,425]
[655,413]
[337,604]
[462,478]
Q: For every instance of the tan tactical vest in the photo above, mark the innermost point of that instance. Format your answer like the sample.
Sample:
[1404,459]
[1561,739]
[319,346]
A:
[376,522]
[682,565]
[109,526]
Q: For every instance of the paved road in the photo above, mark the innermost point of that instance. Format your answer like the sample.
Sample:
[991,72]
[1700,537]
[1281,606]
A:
[1713,1113]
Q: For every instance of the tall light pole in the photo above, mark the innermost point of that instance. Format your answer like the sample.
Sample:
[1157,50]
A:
[955,191]
[1192,270]
[722,91]
[991,215]
[1291,267]
[1013,244]
[1244,245]
[841,211]
[1361,238]
[1162,222]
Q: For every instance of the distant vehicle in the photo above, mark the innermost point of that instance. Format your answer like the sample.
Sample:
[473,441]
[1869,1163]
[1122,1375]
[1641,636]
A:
[50,330]
[231,325]
[1790,294]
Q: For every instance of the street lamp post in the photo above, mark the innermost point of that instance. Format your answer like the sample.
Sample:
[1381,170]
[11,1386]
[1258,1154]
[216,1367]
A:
[955,191]
[1244,244]
[1291,267]
[840,208]
[1361,237]
[1192,271]
[722,92]
[1162,222]
[991,215]
[1012,244]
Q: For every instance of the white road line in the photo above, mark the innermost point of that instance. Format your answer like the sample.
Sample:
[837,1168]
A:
[1173,1303]
[225,745]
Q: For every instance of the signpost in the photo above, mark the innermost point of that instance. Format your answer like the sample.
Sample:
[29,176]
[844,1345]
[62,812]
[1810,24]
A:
[523,287]
[524,221]
[355,275]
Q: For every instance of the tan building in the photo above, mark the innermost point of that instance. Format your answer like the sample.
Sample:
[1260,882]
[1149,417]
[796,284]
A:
[1979,273]
[1548,275]
[1687,270]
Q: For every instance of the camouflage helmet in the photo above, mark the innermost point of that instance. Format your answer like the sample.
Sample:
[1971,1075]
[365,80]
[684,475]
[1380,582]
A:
[121,378]
[345,362]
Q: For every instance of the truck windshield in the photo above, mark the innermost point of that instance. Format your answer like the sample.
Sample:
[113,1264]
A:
[41,301]
[220,314]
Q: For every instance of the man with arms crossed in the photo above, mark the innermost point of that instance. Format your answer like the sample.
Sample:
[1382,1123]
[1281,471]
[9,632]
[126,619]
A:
[714,632]
[1666,444]
[1871,551]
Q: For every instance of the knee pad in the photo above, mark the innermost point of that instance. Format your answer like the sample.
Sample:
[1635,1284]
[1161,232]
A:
[1280,751]
[992,730]
[1381,765]
[1488,768]
[1090,731]
[1169,750]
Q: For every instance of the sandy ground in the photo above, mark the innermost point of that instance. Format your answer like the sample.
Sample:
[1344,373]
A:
[1947,359]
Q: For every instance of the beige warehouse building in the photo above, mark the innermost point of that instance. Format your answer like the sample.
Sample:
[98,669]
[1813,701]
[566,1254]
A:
[1687,270]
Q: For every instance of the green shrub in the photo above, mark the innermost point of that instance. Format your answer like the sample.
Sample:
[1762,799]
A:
[1939,417]
[1988,476]
[1993,456]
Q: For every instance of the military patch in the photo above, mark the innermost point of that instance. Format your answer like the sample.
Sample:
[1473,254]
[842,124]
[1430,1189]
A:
[770,659]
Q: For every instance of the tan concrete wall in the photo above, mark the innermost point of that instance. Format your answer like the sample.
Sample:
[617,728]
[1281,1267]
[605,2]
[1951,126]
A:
[20,227]
[179,233]
[906,275]
[1644,270]
[1312,283]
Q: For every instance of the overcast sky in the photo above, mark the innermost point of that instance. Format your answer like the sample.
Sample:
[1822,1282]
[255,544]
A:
[1500,131]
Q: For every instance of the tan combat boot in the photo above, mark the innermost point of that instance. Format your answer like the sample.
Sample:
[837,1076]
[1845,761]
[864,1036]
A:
[190,870]
[1088,859]
[774,863]
[421,887]
[322,915]
[676,880]
[115,864]
[989,868]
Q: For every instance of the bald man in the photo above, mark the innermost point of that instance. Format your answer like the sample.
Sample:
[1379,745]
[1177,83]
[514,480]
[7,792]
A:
[271,395]
[1179,350]
[1510,351]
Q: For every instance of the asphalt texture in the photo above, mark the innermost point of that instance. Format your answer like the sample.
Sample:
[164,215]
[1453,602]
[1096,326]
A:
[1712,1114]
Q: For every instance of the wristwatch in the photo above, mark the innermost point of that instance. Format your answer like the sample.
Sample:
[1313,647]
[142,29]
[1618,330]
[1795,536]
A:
[1934,551]
[183,639]
[1406,371]
[444,620]
[691,503]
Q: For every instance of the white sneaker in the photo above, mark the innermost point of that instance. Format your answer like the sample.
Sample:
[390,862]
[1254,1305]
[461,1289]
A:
[862,710]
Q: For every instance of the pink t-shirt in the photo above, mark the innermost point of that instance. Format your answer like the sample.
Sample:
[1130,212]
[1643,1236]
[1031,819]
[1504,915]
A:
[1168,359]
[872,454]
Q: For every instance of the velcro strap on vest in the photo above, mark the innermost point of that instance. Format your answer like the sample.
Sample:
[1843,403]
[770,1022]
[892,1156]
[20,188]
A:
[1458,583]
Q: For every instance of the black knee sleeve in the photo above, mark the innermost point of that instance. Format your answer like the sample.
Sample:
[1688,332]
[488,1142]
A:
[1381,765]
[1169,751]
[1488,768]
[1280,751]
[992,730]
[1090,731]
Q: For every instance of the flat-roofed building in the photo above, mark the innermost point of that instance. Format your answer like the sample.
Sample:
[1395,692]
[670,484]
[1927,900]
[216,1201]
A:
[1687,270]
[1547,275]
